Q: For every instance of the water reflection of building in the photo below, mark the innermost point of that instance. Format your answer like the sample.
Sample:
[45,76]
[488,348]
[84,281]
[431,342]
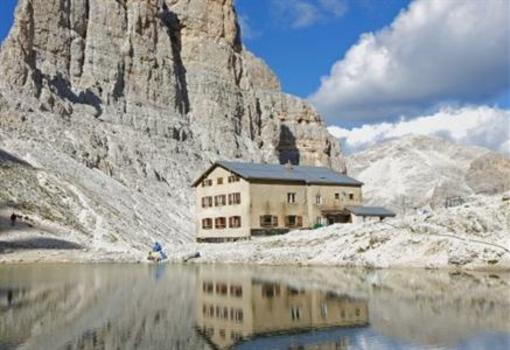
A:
[232,309]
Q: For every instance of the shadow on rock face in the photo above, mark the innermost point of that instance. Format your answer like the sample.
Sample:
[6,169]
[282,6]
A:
[6,158]
[287,147]
[38,243]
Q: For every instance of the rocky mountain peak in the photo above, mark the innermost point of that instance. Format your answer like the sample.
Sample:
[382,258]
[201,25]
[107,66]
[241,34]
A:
[416,171]
[145,94]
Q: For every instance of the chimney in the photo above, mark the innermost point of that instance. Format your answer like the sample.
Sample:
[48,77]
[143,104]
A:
[288,165]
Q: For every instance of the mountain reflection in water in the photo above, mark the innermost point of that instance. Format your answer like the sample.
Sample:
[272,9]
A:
[222,307]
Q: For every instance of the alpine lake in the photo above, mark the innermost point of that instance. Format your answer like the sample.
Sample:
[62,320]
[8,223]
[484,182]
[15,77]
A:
[140,306]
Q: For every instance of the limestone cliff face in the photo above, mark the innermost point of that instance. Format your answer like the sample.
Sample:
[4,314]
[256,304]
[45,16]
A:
[148,92]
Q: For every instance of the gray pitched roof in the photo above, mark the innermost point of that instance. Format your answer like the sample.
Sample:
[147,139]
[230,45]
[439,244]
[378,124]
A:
[306,174]
[371,211]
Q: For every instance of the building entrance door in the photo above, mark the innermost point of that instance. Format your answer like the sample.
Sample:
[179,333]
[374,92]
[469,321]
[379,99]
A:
[336,219]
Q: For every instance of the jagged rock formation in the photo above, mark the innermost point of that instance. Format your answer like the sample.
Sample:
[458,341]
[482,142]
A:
[418,171]
[141,95]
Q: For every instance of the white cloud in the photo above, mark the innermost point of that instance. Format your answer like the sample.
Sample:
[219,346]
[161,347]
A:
[435,52]
[481,126]
[247,30]
[304,13]
[337,7]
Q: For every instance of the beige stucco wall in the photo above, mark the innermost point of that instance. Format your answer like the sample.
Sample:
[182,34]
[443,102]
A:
[242,210]
[329,202]
[271,199]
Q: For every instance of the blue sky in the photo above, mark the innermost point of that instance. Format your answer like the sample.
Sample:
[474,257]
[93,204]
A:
[377,68]
[6,16]
[301,55]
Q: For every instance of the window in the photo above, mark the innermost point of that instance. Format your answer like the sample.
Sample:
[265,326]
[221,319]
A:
[207,287]
[222,312]
[208,310]
[236,336]
[236,315]
[219,181]
[220,200]
[233,178]
[358,312]
[342,314]
[291,198]
[234,198]
[207,224]
[337,195]
[293,221]
[220,222]
[270,290]
[234,222]
[318,199]
[268,221]
[236,291]
[324,310]
[295,313]
[206,183]
[351,196]
[206,202]
[221,289]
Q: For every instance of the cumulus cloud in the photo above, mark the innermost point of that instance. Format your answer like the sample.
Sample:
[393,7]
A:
[481,126]
[304,13]
[434,52]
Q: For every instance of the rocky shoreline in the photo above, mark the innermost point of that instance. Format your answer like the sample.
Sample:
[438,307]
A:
[474,236]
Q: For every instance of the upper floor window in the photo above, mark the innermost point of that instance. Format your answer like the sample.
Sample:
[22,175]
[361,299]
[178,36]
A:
[291,197]
[220,223]
[234,222]
[351,196]
[220,200]
[207,287]
[207,224]
[293,221]
[233,178]
[337,195]
[206,183]
[236,291]
[219,181]
[206,202]
[234,198]
[268,221]
[318,199]
[221,289]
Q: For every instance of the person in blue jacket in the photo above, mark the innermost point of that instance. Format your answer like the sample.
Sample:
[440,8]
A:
[157,248]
